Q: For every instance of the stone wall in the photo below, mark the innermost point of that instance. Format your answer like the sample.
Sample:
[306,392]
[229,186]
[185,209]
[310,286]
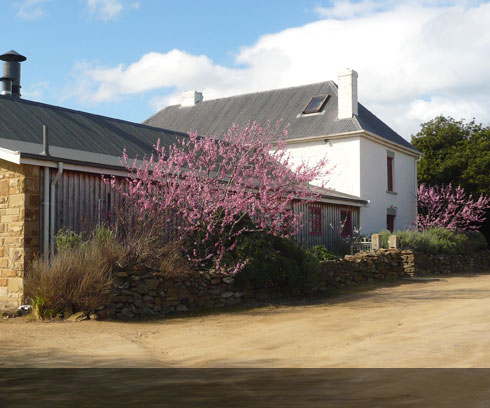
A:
[419,264]
[19,228]
[143,293]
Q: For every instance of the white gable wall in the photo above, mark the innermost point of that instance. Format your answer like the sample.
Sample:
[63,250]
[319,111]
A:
[343,161]
[374,186]
[358,167]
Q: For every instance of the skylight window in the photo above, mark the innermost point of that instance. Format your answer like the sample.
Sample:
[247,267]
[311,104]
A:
[316,104]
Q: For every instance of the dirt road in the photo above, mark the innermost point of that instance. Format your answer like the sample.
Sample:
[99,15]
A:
[432,323]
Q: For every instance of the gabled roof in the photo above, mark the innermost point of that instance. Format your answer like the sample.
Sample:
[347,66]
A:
[75,135]
[213,116]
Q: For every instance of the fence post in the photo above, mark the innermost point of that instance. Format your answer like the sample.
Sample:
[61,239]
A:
[375,242]
[394,242]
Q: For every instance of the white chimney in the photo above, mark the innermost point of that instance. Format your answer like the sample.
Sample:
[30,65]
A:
[191,98]
[347,94]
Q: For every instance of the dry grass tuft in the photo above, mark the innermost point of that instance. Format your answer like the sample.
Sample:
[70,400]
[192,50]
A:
[75,279]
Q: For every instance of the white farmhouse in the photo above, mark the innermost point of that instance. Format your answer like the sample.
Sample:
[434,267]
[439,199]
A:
[369,160]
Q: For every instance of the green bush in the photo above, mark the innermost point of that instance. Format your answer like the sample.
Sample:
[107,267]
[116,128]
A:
[437,241]
[321,253]
[274,262]
[68,239]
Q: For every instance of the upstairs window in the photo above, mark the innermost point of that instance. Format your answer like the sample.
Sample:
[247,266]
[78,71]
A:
[314,220]
[389,168]
[346,219]
[316,104]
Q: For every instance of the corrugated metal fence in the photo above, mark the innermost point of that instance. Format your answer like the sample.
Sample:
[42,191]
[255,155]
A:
[331,222]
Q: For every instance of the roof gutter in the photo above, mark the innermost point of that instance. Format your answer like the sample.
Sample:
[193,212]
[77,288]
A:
[88,167]
[358,133]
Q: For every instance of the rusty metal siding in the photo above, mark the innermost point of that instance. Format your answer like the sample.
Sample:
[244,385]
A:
[331,222]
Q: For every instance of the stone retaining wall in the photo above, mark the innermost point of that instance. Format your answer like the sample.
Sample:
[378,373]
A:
[143,293]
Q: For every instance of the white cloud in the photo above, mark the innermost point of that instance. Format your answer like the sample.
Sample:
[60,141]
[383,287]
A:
[423,110]
[413,59]
[107,10]
[31,9]
[36,91]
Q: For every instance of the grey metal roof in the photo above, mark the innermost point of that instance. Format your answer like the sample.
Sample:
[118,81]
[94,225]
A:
[213,116]
[74,132]
[85,138]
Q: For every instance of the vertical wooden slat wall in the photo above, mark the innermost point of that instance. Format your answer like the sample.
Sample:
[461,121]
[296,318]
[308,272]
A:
[331,222]
[82,201]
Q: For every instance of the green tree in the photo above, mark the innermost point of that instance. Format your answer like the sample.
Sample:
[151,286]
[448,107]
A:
[456,152]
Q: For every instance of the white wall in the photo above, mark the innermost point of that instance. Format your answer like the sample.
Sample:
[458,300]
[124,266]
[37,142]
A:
[343,161]
[374,183]
[358,167]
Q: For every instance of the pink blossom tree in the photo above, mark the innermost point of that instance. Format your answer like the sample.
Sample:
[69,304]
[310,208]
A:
[450,208]
[213,185]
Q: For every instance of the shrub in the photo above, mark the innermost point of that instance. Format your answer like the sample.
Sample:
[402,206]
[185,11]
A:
[75,279]
[274,262]
[321,253]
[79,276]
[67,239]
[437,240]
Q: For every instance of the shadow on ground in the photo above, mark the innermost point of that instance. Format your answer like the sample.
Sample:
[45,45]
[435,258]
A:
[245,388]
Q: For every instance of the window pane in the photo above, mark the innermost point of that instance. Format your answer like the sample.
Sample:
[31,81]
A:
[389,162]
[316,104]
[314,220]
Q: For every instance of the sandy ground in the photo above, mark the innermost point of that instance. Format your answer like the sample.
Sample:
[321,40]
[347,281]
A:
[441,322]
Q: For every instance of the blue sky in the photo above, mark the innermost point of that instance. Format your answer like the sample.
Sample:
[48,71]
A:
[128,58]
[56,35]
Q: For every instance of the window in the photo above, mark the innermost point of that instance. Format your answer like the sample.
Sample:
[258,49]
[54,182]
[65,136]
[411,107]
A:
[346,219]
[314,220]
[316,104]
[389,165]
[390,222]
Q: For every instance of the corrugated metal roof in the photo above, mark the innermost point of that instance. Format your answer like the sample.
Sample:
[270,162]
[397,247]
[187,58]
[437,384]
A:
[21,122]
[213,116]
[76,136]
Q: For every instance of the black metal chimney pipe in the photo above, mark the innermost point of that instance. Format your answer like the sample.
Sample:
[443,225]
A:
[11,70]
[6,86]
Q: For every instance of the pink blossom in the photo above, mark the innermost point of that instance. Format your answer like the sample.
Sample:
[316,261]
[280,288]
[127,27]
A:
[450,208]
[212,184]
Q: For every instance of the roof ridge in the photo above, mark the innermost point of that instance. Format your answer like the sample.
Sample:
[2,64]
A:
[256,93]
[62,108]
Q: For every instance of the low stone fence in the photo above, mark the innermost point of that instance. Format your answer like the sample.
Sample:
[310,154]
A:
[143,293]
[418,264]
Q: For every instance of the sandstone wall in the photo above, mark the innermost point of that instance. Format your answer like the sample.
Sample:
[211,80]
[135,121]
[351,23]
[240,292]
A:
[19,228]
[143,293]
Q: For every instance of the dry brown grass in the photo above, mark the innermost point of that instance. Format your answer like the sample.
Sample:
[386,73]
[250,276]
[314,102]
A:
[79,277]
[75,279]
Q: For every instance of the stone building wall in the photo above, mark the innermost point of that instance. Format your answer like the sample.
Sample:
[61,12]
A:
[19,228]
[143,293]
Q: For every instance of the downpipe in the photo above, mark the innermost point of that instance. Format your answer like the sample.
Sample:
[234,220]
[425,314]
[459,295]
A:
[46,213]
[52,207]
